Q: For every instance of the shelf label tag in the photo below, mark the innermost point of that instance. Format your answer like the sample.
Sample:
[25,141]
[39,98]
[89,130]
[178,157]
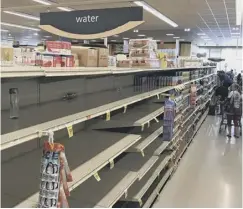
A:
[70,131]
[142,153]
[108,116]
[111,163]
[156,120]
[97,177]
[140,202]
[157,96]
[125,109]
[148,124]
[125,193]
[142,127]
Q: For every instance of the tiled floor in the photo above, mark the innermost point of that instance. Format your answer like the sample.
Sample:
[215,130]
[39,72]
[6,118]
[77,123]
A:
[210,173]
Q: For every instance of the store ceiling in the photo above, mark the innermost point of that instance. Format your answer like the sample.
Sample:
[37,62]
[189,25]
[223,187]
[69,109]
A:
[215,18]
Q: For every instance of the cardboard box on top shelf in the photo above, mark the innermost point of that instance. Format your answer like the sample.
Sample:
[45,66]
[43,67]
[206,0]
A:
[103,54]
[7,55]
[88,57]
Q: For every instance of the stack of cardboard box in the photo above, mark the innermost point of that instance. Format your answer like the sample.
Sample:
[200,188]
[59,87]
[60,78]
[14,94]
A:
[90,57]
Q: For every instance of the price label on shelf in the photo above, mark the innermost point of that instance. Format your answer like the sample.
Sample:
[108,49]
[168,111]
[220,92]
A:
[108,116]
[70,131]
[148,124]
[125,193]
[97,177]
[125,109]
[140,202]
[111,163]
[157,96]
[142,153]
[142,127]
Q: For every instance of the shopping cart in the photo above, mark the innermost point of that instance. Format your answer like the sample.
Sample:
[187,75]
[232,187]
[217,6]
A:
[223,121]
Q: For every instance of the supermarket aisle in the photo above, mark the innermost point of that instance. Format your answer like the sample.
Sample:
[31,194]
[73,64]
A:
[210,173]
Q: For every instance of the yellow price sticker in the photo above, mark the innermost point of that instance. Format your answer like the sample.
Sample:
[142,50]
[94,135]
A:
[108,116]
[70,131]
[97,177]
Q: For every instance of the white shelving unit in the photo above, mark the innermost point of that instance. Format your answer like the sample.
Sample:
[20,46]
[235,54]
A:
[147,156]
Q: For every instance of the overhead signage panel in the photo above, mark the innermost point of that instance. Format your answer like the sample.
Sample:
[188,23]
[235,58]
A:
[90,24]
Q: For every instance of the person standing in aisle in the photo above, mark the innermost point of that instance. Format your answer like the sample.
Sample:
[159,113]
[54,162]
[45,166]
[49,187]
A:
[234,110]
[239,81]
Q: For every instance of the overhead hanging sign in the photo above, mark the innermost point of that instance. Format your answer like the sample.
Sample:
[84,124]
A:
[92,24]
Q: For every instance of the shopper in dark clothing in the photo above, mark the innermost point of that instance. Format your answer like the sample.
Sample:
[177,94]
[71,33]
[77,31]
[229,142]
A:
[227,81]
[222,92]
[239,81]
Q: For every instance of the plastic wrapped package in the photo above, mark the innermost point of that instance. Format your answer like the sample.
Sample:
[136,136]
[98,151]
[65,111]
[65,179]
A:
[143,43]
[145,63]
[147,53]
[55,174]
[124,63]
[168,120]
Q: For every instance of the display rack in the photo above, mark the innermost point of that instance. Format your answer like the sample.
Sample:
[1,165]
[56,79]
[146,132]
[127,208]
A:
[124,148]
[34,71]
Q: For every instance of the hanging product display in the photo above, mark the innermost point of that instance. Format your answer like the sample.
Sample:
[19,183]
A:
[55,174]
[168,122]
[193,96]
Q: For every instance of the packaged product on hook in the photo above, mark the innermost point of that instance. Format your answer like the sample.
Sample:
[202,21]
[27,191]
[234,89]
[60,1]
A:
[168,120]
[55,174]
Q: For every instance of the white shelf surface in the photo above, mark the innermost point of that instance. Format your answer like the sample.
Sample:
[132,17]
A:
[35,71]
[156,191]
[147,141]
[138,196]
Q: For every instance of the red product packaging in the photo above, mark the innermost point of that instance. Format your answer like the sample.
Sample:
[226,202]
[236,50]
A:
[68,61]
[54,46]
[47,61]
[57,61]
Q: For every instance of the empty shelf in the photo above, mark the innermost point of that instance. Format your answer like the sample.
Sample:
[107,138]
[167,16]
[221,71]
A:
[87,152]
[139,188]
[155,193]
[113,185]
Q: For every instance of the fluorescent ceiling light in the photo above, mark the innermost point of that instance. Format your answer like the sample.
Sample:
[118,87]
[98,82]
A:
[23,15]
[43,2]
[141,35]
[176,37]
[201,34]
[65,9]
[155,13]
[238,5]
[170,34]
[19,26]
